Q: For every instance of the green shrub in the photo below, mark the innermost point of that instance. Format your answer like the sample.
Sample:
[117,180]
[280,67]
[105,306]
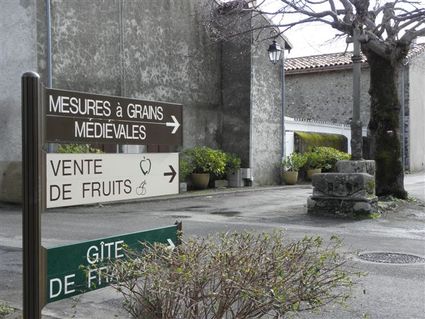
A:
[294,162]
[313,161]
[329,156]
[5,309]
[185,168]
[233,162]
[234,276]
[77,148]
[206,160]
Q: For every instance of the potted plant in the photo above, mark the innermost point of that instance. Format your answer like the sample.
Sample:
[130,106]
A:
[205,161]
[291,165]
[314,164]
[233,165]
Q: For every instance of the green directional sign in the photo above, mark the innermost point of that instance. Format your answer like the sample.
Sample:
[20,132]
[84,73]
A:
[79,268]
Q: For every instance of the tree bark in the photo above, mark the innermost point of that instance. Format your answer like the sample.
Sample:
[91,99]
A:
[384,126]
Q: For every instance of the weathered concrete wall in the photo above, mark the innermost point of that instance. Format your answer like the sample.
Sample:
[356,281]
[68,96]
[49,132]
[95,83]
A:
[86,46]
[417,113]
[236,100]
[266,116]
[326,96]
[155,50]
[168,57]
[17,55]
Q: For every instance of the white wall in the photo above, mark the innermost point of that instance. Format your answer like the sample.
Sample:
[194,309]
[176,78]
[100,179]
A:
[292,125]
[417,113]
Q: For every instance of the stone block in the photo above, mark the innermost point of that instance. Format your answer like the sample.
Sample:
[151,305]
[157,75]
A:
[182,187]
[345,207]
[355,185]
[363,166]
[221,183]
[11,182]
[235,178]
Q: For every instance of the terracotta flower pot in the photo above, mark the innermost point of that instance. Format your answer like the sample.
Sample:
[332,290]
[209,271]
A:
[290,177]
[200,181]
[311,172]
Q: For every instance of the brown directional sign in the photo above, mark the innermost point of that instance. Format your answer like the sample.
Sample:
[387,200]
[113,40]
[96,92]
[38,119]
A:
[76,117]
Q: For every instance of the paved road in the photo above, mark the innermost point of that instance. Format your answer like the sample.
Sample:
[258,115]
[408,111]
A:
[414,183]
[389,291]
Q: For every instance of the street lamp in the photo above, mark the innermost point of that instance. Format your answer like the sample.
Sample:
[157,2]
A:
[275,52]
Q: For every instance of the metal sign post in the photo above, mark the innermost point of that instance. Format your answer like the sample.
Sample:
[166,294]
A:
[32,195]
[63,116]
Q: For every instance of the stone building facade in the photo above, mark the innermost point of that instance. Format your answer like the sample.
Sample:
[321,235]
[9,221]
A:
[151,50]
[320,88]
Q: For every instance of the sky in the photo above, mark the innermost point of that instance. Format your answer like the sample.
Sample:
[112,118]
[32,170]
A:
[315,38]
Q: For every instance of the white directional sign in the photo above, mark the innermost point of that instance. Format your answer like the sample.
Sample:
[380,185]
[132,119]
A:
[77,179]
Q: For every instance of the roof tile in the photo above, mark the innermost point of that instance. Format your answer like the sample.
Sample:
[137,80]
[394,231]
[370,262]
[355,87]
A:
[334,60]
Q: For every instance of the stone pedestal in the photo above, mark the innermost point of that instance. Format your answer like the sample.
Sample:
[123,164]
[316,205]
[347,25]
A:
[363,166]
[343,194]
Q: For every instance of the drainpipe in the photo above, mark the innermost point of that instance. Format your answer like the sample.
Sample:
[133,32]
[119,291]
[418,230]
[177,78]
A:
[49,44]
[121,148]
[251,120]
[282,92]
[50,147]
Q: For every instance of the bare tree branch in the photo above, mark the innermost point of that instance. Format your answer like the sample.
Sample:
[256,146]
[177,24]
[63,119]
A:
[397,26]
[409,36]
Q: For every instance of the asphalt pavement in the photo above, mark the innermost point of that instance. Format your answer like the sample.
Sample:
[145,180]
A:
[388,291]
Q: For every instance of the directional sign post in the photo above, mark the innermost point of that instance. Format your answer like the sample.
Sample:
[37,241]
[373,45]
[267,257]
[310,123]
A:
[32,167]
[76,117]
[58,116]
[75,179]
[82,267]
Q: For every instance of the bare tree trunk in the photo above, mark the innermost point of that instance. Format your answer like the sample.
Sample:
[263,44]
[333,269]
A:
[384,126]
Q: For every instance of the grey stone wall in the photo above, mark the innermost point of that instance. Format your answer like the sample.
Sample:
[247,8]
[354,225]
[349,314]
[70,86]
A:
[236,99]
[154,50]
[17,55]
[251,112]
[326,96]
[266,115]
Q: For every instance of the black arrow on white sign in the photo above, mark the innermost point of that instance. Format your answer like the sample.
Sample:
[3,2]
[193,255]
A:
[172,173]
